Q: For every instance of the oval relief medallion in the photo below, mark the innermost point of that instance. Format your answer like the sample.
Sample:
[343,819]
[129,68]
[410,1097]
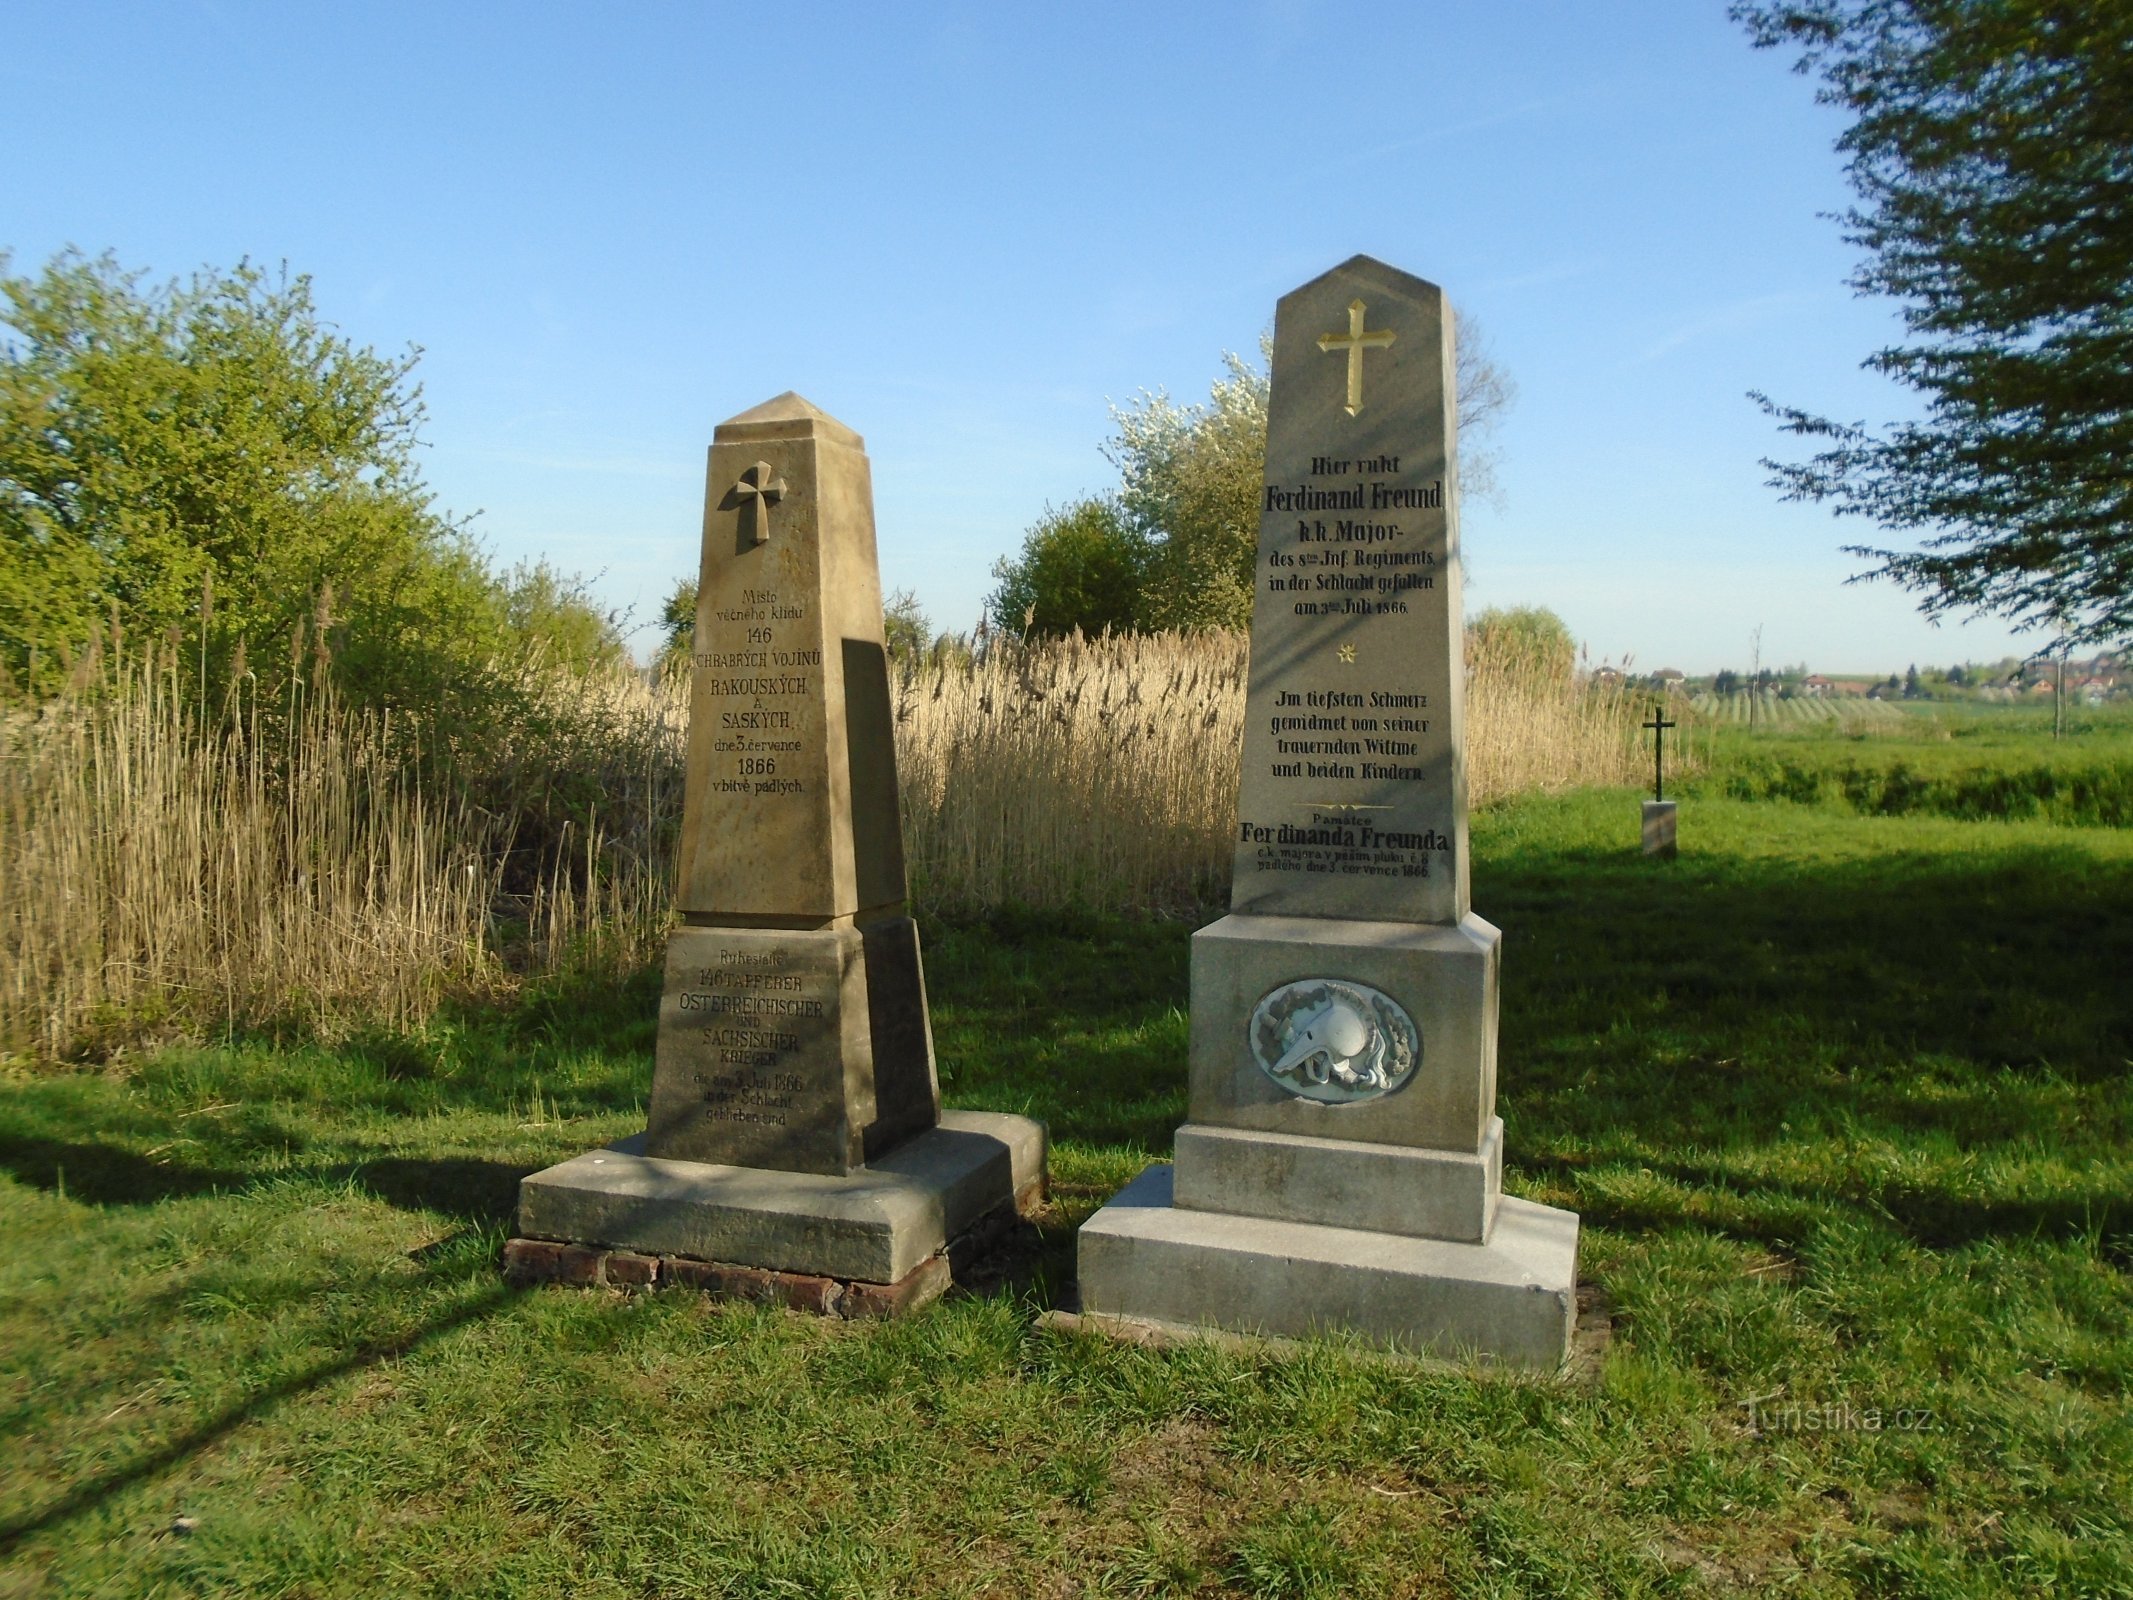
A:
[1334,1041]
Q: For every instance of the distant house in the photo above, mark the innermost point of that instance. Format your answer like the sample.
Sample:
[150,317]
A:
[1815,684]
[1668,679]
[2093,690]
[1607,677]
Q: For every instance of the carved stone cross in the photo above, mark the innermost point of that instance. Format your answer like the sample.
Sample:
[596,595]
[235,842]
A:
[756,493]
[1355,341]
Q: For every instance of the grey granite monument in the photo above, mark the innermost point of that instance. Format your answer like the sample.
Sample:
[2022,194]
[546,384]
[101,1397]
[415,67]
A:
[1342,1165]
[796,1149]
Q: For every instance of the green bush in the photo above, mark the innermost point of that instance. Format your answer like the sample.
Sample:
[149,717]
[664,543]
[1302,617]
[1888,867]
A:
[1081,566]
[1526,632]
[210,459]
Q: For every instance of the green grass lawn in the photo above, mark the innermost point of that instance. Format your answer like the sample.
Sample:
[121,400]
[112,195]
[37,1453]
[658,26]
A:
[1966,760]
[1843,1100]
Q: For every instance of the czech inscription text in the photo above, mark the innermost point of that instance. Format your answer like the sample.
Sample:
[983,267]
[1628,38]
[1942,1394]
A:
[756,674]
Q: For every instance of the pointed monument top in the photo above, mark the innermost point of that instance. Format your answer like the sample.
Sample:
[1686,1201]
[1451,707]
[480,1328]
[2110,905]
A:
[1370,268]
[789,416]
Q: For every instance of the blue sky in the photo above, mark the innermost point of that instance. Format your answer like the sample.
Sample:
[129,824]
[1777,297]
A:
[965,229]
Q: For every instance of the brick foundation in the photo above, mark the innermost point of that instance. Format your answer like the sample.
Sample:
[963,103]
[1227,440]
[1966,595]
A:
[527,1262]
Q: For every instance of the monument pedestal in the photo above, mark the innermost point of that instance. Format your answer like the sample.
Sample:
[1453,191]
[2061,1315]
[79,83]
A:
[873,1241]
[1297,1205]
[1660,838]
[1146,1260]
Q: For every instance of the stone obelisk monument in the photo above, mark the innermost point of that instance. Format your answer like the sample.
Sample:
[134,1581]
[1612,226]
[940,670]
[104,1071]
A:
[1342,1168]
[796,1148]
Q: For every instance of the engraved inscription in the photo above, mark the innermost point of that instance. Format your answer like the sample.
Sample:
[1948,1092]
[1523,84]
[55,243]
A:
[754,1012]
[758,677]
[1350,760]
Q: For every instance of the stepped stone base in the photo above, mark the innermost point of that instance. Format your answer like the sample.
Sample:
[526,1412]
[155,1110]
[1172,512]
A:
[876,1242]
[1431,1194]
[1511,1301]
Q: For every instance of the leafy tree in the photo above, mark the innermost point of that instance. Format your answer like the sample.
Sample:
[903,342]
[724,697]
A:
[904,622]
[1190,480]
[678,620]
[1532,632]
[1081,566]
[1725,683]
[211,457]
[1991,149]
[554,610]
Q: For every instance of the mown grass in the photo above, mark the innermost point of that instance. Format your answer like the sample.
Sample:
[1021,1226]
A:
[1842,1099]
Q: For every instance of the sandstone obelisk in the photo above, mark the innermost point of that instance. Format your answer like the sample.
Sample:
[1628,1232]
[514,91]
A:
[796,1147]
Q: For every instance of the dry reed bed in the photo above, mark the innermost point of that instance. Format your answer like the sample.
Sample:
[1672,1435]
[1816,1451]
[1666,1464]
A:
[169,864]
[161,861]
[1091,772]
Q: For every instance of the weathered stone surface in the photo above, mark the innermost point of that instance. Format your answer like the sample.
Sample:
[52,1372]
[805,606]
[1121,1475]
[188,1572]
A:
[1511,1301]
[804,1050]
[876,1224]
[795,1143]
[880,1302]
[1343,1163]
[1659,837]
[530,1261]
[1353,800]
[793,1030]
[624,1269]
[790,796]
[1435,1194]
[1445,977]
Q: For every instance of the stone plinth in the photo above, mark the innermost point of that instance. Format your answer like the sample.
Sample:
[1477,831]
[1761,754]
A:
[1659,839]
[1511,1301]
[875,1227]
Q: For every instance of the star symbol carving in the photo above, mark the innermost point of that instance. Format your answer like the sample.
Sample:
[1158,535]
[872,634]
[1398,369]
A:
[1347,654]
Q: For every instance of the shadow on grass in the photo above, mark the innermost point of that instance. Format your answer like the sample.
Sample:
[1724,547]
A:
[1775,1211]
[112,1175]
[93,1492]
[109,1175]
[460,1186]
[1937,1036]
[1938,1039]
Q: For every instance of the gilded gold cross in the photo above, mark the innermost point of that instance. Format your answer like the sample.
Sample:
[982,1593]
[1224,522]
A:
[1355,341]
[757,492]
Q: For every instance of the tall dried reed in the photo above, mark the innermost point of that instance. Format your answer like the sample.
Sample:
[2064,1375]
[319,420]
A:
[1104,772]
[1099,772]
[161,860]
[167,863]
[1535,724]
[171,863]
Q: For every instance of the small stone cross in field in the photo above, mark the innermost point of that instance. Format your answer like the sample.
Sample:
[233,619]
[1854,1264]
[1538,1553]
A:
[1355,341]
[758,491]
[1659,724]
